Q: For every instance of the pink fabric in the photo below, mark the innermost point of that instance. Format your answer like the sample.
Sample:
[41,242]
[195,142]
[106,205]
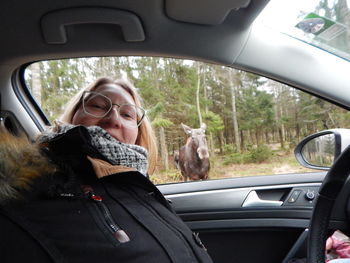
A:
[337,246]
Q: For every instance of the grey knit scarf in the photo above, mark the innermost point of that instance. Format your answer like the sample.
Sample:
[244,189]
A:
[115,152]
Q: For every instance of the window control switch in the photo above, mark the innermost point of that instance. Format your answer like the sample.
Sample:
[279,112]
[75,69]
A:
[294,196]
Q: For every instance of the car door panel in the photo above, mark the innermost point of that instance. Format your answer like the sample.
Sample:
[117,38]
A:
[263,231]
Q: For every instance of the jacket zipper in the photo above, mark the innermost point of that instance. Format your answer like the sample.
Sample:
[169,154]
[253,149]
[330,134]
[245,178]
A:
[176,231]
[118,233]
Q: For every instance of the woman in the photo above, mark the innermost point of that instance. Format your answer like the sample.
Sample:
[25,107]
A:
[89,198]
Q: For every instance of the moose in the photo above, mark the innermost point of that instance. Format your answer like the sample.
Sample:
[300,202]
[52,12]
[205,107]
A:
[193,158]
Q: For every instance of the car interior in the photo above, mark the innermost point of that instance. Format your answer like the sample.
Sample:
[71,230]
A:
[257,219]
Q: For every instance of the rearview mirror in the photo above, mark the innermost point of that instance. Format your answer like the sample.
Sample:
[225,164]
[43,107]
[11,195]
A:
[319,150]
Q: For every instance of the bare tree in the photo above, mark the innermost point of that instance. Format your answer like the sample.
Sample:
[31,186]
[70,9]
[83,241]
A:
[197,93]
[233,79]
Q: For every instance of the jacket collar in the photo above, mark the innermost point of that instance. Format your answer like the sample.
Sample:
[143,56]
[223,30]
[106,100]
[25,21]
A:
[103,168]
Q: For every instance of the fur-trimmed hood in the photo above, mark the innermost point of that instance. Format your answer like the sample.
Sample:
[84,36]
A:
[20,163]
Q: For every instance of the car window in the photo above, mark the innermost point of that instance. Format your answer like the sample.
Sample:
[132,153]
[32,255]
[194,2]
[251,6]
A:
[251,123]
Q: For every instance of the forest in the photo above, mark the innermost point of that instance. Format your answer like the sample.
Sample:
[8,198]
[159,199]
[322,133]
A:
[249,118]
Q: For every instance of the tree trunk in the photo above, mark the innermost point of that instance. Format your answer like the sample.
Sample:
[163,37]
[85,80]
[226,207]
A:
[205,93]
[297,131]
[211,144]
[162,136]
[221,142]
[197,94]
[280,133]
[276,135]
[242,140]
[36,82]
[250,138]
[283,130]
[267,137]
[279,115]
[163,148]
[234,112]
[211,141]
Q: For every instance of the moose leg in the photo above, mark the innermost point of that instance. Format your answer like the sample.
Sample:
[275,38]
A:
[183,174]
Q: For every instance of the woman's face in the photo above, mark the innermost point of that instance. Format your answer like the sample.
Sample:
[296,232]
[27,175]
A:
[112,122]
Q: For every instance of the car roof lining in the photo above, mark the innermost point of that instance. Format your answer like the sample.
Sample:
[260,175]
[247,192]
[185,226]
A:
[164,35]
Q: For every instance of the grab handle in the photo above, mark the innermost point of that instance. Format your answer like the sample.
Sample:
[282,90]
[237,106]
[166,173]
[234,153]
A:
[53,24]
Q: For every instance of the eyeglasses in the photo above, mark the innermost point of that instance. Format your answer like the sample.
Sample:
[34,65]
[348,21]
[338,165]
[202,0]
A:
[99,106]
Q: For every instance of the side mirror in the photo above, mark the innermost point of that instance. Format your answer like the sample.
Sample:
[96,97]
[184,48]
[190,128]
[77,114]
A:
[319,150]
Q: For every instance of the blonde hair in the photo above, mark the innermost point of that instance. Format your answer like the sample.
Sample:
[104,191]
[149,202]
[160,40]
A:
[145,138]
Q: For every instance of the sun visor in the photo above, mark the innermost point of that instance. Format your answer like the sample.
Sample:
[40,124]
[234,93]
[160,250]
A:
[207,12]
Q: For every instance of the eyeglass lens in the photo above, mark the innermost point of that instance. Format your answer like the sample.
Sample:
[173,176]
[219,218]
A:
[99,106]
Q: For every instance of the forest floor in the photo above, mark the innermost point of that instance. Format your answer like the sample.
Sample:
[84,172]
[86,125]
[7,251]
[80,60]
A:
[282,162]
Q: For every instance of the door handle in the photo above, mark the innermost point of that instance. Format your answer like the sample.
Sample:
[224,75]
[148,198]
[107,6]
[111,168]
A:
[253,200]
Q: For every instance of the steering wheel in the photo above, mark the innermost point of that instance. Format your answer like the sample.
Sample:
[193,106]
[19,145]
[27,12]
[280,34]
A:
[329,190]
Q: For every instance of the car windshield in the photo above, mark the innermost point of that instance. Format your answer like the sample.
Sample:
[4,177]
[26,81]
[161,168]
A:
[324,24]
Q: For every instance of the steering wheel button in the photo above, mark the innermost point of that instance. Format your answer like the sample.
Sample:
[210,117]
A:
[294,196]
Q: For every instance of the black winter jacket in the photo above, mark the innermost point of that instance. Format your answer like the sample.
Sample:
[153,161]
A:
[71,216]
